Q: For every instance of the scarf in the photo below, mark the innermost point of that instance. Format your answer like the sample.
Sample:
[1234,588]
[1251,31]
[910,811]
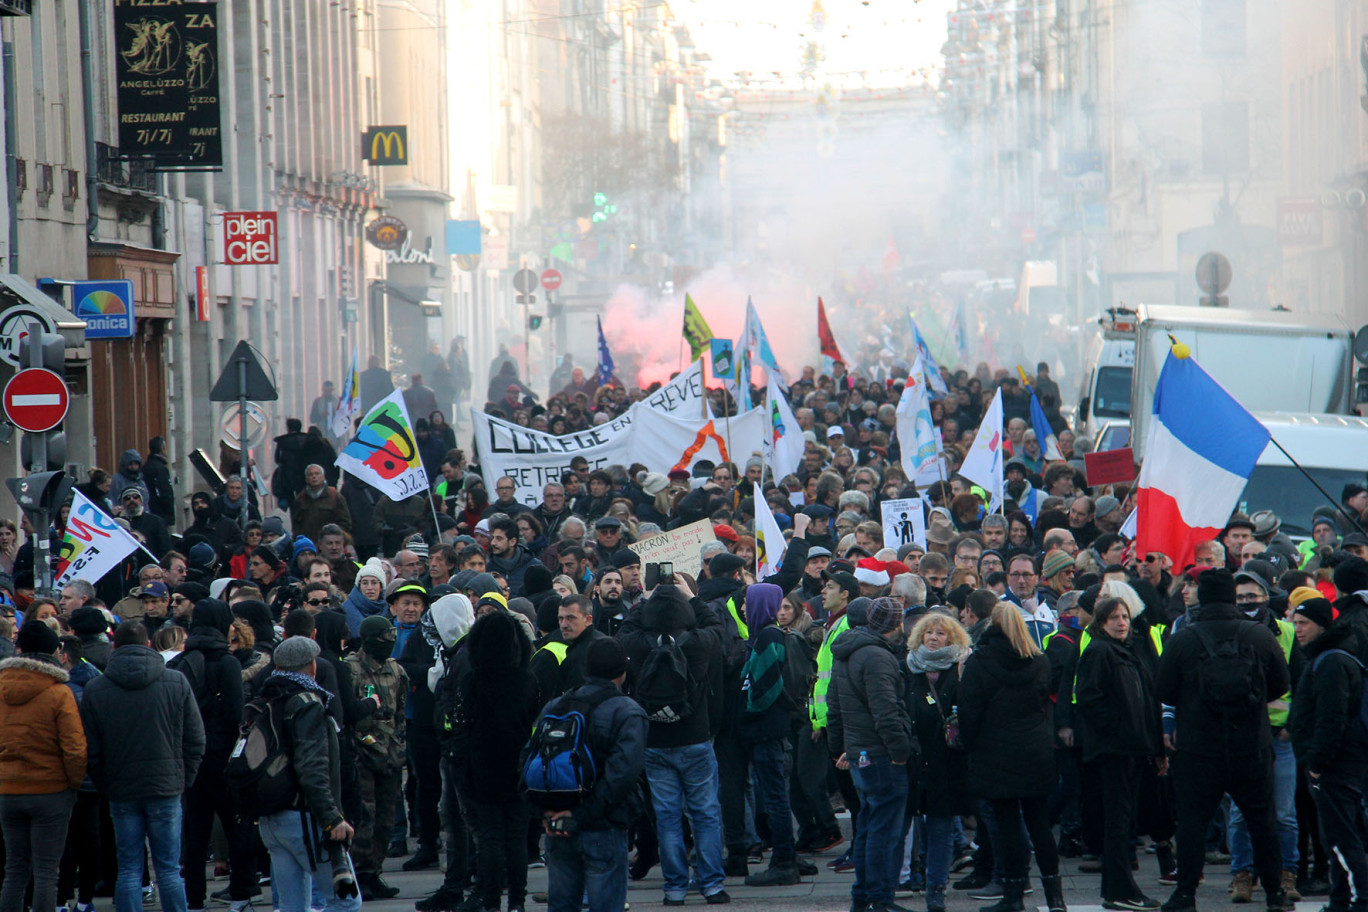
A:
[922,660]
[303,681]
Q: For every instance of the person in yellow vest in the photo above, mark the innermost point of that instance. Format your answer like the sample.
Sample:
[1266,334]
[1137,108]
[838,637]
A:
[838,591]
[1252,594]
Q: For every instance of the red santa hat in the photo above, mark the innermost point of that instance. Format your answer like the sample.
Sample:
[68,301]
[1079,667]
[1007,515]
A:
[872,572]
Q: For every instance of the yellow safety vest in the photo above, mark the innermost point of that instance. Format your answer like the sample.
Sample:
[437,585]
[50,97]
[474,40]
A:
[741,627]
[1277,710]
[559,650]
[817,712]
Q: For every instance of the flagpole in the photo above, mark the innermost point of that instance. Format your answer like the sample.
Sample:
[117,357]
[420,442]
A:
[436,523]
[1313,481]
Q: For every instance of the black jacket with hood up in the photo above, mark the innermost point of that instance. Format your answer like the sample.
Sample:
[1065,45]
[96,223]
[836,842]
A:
[1326,736]
[215,676]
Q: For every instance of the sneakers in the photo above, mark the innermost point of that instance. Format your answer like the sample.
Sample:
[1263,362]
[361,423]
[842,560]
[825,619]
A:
[240,905]
[1180,902]
[1170,878]
[974,880]
[990,890]
[826,843]
[805,867]
[535,861]
[963,858]
[774,876]
[1070,847]
[720,898]
[844,867]
[1217,857]
[914,884]
[671,901]
[1140,903]
[1289,886]
[1242,887]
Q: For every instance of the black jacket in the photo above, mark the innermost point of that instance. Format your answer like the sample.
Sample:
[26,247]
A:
[617,731]
[555,678]
[157,474]
[942,784]
[144,738]
[1005,720]
[1201,731]
[1116,710]
[865,708]
[314,752]
[1326,736]
[418,656]
[215,676]
[496,706]
[1352,612]
[698,632]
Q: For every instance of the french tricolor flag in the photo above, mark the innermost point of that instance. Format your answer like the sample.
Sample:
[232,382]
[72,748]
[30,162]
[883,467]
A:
[1200,449]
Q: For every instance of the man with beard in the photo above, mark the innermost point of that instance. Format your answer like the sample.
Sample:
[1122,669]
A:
[506,555]
[609,608]
[994,532]
[628,563]
[130,475]
[151,527]
[220,533]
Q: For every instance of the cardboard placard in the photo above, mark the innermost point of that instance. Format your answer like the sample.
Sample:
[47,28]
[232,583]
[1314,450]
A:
[904,521]
[678,545]
[1110,467]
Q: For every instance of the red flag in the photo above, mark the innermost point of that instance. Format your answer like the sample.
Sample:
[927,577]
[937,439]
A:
[829,349]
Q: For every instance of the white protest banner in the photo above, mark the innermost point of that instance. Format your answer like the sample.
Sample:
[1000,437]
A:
[93,544]
[904,522]
[535,458]
[680,546]
[384,453]
[684,395]
[658,440]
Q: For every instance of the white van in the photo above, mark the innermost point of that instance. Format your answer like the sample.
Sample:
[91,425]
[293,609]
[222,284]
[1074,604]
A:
[1332,448]
[1105,394]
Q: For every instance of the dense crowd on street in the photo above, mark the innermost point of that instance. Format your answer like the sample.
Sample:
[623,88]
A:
[312,682]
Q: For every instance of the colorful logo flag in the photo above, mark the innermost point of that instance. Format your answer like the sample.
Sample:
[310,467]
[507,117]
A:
[605,357]
[830,353]
[770,544]
[784,444]
[696,330]
[983,464]
[92,545]
[723,359]
[918,440]
[756,343]
[1201,447]
[384,453]
[349,403]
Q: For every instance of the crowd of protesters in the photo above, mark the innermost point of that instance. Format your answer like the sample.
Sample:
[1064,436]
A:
[1022,685]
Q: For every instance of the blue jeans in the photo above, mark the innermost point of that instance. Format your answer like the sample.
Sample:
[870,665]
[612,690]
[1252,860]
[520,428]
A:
[1284,808]
[156,821]
[877,851]
[294,880]
[684,780]
[940,835]
[769,760]
[589,863]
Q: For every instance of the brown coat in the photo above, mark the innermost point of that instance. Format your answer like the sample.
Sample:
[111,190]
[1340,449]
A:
[42,741]
[308,515]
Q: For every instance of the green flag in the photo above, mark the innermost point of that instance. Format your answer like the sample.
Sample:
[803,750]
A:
[696,331]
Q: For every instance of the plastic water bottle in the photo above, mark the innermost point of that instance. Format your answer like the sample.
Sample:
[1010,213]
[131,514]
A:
[864,760]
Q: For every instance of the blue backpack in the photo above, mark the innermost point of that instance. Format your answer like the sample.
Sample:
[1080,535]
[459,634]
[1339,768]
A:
[562,766]
[1363,686]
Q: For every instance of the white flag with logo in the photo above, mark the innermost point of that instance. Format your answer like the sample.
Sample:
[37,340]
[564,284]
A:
[92,545]
[384,453]
[983,465]
[769,541]
[784,443]
[918,440]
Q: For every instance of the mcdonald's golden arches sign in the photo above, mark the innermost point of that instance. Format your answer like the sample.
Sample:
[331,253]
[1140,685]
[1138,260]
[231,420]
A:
[385,145]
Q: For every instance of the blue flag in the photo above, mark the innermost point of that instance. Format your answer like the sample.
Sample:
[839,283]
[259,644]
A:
[605,357]
[1045,435]
[933,373]
[723,359]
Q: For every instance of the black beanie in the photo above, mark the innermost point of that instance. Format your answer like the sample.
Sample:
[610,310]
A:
[536,578]
[1216,587]
[1351,575]
[88,621]
[548,613]
[857,612]
[37,637]
[606,659]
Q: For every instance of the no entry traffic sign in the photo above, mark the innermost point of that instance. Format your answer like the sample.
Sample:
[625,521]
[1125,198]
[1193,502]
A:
[36,400]
[551,279]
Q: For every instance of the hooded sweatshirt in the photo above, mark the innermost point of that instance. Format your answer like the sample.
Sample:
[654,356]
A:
[214,674]
[449,620]
[127,477]
[765,710]
[42,743]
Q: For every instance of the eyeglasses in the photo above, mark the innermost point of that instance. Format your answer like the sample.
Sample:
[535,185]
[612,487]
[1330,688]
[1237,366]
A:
[1249,598]
[317,602]
[1021,574]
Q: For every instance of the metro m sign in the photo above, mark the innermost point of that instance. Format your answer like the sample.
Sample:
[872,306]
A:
[249,239]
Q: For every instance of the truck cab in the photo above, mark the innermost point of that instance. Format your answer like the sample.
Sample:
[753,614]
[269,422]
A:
[1105,394]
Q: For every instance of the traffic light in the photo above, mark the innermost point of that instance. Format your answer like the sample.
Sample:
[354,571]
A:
[602,208]
[43,451]
[534,321]
[41,494]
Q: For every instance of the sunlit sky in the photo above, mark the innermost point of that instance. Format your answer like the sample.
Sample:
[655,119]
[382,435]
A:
[885,39]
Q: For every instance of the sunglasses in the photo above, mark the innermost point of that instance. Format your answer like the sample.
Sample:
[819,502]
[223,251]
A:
[317,602]
[1153,558]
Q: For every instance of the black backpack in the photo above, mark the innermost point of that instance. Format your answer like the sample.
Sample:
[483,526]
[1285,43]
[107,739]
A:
[259,772]
[191,663]
[663,686]
[1230,678]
